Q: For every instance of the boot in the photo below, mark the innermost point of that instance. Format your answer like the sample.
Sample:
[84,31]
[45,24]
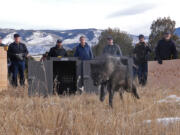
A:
[22,82]
[14,83]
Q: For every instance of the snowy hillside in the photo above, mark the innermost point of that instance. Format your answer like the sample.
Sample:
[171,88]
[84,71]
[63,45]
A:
[40,41]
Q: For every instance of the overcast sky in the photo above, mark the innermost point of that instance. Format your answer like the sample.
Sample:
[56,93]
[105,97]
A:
[133,16]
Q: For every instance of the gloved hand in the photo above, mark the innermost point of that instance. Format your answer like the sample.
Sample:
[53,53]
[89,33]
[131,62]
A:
[160,61]
[20,56]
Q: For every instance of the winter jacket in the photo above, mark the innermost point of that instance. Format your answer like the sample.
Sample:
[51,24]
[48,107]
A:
[113,50]
[166,50]
[17,52]
[55,52]
[84,53]
[141,52]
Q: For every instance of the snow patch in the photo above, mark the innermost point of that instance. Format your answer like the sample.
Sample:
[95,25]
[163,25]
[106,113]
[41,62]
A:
[73,40]
[9,38]
[40,38]
[165,121]
[70,34]
[170,99]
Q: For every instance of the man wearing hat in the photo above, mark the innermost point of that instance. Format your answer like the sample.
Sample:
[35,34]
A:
[112,49]
[58,50]
[166,49]
[17,53]
[141,52]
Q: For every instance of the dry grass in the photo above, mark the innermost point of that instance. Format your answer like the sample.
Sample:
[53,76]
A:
[86,115]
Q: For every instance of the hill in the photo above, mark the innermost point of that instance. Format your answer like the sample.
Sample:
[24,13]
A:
[40,41]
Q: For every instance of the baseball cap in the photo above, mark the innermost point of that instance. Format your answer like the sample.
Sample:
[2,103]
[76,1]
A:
[141,36]
[59,41]
[109,38]
[16,35]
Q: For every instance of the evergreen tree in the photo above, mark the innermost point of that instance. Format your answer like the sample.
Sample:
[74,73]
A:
[159,27]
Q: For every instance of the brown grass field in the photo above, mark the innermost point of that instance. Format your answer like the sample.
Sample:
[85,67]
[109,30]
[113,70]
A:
[86,115]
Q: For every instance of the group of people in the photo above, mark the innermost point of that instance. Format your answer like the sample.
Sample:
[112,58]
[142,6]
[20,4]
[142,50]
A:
[165,50]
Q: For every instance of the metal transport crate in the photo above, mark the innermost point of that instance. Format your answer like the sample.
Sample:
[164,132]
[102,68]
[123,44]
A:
[61,76]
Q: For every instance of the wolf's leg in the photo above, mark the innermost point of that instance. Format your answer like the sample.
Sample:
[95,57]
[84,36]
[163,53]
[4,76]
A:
[111,95]
[121,94]
[102,92]
[134,91]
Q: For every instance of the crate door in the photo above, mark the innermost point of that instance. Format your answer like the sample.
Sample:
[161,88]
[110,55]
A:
[88,82]
[40,78]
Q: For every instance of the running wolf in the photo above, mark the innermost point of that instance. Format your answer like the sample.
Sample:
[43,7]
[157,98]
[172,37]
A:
[110,73]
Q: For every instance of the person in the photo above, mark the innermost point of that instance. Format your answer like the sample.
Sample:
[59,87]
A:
[17,53]
[166,49]
[141,52]
[83,52]
[112,49]
[58,50]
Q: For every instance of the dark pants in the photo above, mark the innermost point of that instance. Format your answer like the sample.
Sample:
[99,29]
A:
[18,67]
[135,72]
[143,73]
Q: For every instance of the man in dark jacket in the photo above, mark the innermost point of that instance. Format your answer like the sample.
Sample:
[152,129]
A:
[111,48]
[58,50]
[141,52]
[17,53]
[83,50]
[166,49]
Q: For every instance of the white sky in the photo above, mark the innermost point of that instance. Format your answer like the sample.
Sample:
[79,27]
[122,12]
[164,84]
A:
[133,16]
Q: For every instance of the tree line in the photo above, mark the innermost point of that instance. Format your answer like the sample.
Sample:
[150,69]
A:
[125,41]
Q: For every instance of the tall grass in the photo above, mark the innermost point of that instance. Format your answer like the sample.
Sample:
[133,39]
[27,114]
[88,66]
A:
[86,115]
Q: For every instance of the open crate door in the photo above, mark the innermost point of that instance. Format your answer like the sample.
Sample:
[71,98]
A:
[65,74]
[40,78]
